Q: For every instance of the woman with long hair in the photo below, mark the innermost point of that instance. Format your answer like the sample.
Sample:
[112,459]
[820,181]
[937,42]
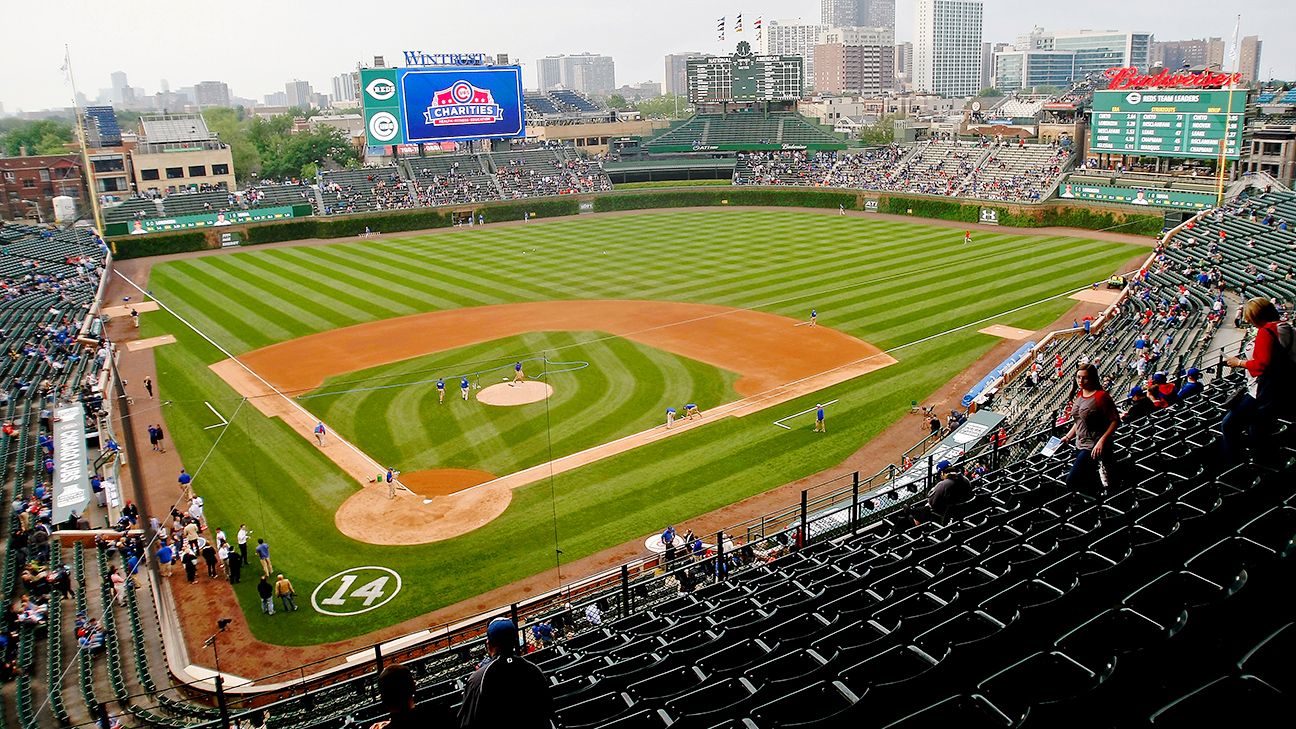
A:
[1269,388]
[1093,423]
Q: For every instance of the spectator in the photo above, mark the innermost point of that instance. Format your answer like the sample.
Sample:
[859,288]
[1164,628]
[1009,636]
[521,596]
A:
[287,595]
[266,593]
[947,496]
[1192,386]
[506,690]
[1269,387]
[1140,405]
[1094,421]
[396,689]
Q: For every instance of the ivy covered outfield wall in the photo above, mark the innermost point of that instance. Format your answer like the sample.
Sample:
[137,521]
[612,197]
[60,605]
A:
[1051,214]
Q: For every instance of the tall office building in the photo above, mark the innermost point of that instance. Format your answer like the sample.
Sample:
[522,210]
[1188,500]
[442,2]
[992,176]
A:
[1098,50]
[904,59]
[344,86]
[947,47]
[1196,53]
[211,93]
[793,38]
[1023,70]
[298,93]
[1249,58]
[587,73]
[677,72]
[867,69]
[870,13]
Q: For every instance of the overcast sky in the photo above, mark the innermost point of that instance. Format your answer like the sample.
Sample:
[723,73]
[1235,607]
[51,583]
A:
[256,47]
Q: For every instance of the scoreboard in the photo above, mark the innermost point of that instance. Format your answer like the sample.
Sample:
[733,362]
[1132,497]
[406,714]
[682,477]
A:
[1168,123]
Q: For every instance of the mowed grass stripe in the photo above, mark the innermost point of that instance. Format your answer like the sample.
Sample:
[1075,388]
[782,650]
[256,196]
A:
[225,319]
[313,310]
[346,295]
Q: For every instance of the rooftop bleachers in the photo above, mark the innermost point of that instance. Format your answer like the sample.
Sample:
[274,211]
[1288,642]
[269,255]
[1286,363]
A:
[541,104]
[573,101]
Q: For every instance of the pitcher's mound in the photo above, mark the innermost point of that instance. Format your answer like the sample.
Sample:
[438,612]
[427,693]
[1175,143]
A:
[515,393]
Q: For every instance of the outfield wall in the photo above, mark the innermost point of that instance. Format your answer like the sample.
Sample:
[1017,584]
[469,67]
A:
[1130,219]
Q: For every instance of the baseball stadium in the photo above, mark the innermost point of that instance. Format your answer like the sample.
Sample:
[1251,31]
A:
[685,416]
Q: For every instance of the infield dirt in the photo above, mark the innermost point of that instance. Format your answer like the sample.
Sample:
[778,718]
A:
[776,359]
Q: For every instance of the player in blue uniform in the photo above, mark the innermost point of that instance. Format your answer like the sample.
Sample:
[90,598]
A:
[463,386]
[670,416]
[691,411]
[819,419]
[517,373]
[814,315]
[440,391]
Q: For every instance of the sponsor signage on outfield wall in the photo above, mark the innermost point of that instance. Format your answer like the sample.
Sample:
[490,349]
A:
[1137,196]
[419,105]
[207,220]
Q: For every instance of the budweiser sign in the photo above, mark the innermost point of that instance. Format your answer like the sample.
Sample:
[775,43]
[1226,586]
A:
[1129,78]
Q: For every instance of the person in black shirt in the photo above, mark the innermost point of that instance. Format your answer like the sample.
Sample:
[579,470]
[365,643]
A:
[506,690]
[396,689]
[1140,405]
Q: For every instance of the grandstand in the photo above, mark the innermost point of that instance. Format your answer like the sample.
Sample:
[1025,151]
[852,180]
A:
[743,131]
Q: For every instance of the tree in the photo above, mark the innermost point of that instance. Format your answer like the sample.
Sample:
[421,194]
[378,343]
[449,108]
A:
[670,106]
[617,101]
[44,136]
[989,92]
[234,130]
[880,132]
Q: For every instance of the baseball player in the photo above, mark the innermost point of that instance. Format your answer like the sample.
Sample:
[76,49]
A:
[517,373]
[691,411]
[814,316]
[463,387]
[440,391]
[819,419]
[670,416]
[967,237]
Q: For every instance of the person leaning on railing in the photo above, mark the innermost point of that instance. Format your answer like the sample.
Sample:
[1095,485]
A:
[1271,382]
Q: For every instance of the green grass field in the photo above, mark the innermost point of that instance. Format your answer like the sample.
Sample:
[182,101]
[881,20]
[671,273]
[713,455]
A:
[889,283]
[391,412]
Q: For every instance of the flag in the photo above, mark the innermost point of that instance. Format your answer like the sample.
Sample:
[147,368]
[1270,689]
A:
[758,28]
[738,24]
[1233,52]
[66,68]
[720,28]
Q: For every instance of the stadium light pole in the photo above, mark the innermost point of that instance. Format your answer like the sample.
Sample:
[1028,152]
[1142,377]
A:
[221,625]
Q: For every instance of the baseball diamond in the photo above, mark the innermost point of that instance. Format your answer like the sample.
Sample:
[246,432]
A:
[877,283]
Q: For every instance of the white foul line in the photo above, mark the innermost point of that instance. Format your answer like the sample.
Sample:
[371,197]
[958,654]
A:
[780,424]
[223,422]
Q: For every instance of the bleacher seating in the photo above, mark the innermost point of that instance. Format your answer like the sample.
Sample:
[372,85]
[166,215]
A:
[451,179]
[573,101]
[546,171]
[362,190]
[742,129]
[985,170]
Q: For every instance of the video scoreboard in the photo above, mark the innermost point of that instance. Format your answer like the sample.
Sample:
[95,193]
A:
[1168,123]
[430,105]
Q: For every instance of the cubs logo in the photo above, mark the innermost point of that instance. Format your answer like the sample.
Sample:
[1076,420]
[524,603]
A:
[463,103]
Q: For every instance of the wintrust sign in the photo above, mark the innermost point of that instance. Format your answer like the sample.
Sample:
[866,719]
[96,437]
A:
[1119,78]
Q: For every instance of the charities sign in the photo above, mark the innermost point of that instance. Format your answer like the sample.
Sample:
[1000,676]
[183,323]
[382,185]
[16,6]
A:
[428,105]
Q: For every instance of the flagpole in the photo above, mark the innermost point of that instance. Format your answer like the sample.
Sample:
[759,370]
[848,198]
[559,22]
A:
[1228,117]
[93,193]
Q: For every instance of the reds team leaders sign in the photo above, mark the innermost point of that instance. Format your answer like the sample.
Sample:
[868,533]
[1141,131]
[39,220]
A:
[413,105]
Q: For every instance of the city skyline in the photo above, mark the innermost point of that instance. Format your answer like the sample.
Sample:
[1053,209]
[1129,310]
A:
[254,65]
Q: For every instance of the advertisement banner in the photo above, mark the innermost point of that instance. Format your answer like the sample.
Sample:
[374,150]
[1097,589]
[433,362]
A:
[206,220]
[1137,196]
[413,105]
[989,216]
[71,488]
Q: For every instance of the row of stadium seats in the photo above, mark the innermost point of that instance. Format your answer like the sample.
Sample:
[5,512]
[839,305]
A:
[731,129]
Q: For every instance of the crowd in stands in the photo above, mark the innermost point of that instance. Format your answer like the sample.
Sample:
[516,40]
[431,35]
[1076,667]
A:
[986,169]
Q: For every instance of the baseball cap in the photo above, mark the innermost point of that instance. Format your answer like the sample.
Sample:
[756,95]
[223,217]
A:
[1136,390]
[501,632]
[1159,378]
[1193,372]
[943,465]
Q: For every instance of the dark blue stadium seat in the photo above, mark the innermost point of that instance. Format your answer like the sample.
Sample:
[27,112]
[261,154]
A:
[809,706]
[592,712]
